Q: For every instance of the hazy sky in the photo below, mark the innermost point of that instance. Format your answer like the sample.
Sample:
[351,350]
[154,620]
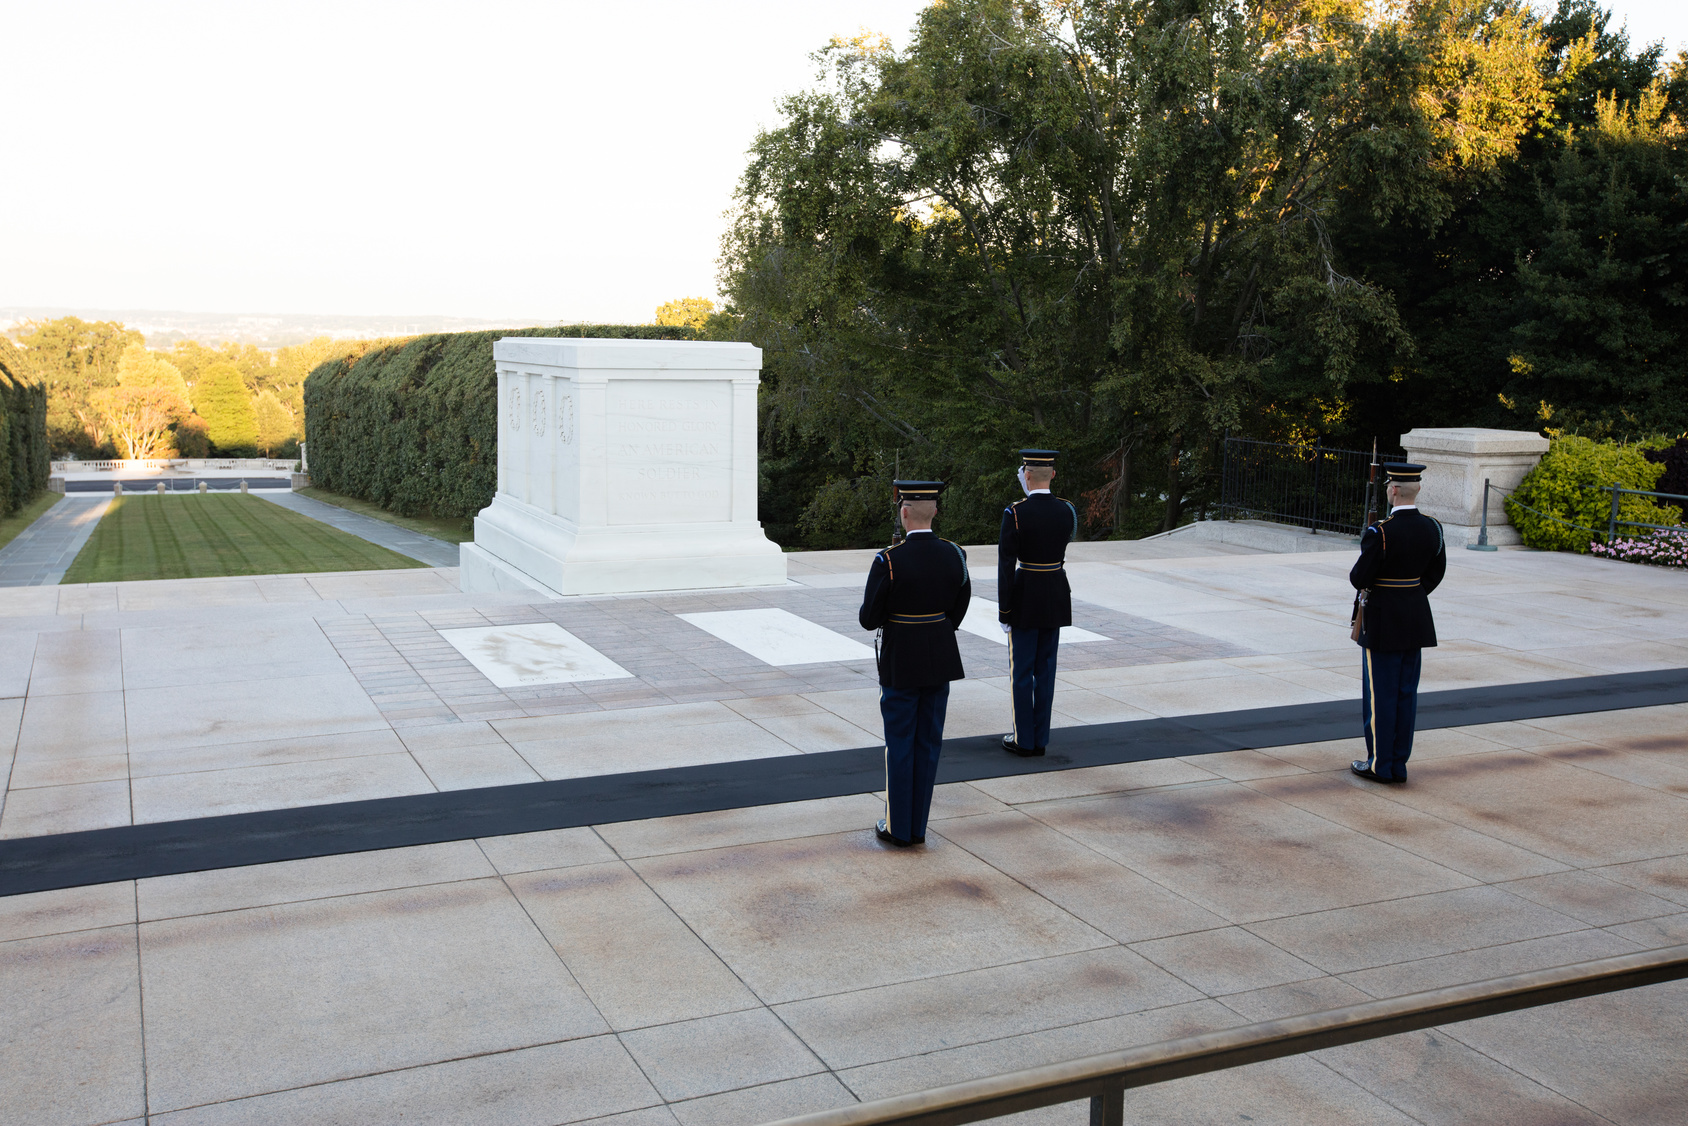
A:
[497,159]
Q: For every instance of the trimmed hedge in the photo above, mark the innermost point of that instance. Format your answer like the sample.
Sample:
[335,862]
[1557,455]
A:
[412,425]
[24,458]
[1566,484]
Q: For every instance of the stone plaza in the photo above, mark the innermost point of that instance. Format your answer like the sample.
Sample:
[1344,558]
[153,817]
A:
[744,964]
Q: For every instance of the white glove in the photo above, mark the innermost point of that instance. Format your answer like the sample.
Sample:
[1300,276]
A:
[1021,477]
[1006,628]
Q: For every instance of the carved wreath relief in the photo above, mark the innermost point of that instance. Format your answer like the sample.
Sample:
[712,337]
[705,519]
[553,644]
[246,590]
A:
[515,405]
[539,412]
[565,419]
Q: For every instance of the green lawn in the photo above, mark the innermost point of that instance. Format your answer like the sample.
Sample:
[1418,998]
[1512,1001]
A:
[11,525]
[186,536]
[452,529]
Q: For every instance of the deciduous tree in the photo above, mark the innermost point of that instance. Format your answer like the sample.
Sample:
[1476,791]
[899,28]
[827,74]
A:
[1102,227]
[226,405]
[150,398]
[139,418]
[274,421]
[692,312]
[76,358]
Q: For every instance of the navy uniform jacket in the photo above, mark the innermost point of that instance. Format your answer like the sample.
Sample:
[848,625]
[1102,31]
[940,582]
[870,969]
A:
[918,591]
[1035,534]
[1402,559]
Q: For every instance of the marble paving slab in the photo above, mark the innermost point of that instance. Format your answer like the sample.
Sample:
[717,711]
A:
[520,656]
[981,621]
[779,637]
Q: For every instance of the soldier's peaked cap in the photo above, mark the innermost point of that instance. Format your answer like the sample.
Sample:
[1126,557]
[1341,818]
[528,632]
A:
[918,490]
[1038,459]
[1404,473]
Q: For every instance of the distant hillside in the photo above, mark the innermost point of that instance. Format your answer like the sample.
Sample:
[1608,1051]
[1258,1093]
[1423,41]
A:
[264,330]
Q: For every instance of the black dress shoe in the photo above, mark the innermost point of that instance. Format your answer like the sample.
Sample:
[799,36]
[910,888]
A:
[1013,748]
[1361,770]
[883,833]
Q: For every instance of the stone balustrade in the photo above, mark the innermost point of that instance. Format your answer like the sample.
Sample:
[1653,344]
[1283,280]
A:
[176,464]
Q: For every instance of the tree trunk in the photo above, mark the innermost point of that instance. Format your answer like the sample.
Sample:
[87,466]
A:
[1122,489]
[1174,490]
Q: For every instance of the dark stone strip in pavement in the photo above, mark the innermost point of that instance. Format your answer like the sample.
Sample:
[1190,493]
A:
[167,848]
[422,548]
[41,553]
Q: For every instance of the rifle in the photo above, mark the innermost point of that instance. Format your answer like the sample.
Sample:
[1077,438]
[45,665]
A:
[896,524]
[1371,487]
[1356,619]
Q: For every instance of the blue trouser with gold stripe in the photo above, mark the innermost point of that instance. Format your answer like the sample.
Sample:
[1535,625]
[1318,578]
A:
[914,734]
[1032,665]
[1389,706]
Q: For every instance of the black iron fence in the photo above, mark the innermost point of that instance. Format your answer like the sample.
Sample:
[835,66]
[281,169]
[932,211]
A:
[1315,486]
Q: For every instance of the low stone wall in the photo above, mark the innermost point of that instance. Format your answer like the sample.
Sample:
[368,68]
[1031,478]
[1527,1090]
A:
[1262,535]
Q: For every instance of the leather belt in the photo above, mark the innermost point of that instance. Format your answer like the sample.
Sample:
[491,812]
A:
[1024,566]
[1395,584]
[918,619]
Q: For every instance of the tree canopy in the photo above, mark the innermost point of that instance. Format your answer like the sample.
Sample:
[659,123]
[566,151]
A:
[74,359]
[85,364]
[274,422]
[690,312]
[149,399]
[231,424]
[1125,229]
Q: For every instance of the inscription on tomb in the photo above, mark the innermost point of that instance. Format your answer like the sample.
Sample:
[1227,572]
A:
[670,452]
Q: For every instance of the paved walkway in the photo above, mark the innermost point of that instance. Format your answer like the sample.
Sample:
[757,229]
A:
[150,701]
[742,966]
[42,553]
[424,548]
[738,966]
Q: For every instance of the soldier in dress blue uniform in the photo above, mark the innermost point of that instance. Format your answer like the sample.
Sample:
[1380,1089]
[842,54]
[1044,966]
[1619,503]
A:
[1034,598]
[917,593]
[1402,559]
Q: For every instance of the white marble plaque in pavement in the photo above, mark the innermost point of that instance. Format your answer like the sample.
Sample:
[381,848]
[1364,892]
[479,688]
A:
[520,656]
[981,622]
[779,637]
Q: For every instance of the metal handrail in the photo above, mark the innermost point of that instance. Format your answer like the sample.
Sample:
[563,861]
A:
[1616,521]
[1104,1079]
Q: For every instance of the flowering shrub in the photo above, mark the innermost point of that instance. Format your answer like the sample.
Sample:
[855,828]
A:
[1566,486]
[1667,549]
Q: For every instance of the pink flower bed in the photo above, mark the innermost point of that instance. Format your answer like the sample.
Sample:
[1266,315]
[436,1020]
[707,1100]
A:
[1665,549]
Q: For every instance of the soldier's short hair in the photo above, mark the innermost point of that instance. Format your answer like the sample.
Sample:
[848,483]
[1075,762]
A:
[921,509]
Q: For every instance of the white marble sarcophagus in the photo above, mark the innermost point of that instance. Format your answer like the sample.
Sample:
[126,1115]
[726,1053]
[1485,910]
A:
[623,466]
